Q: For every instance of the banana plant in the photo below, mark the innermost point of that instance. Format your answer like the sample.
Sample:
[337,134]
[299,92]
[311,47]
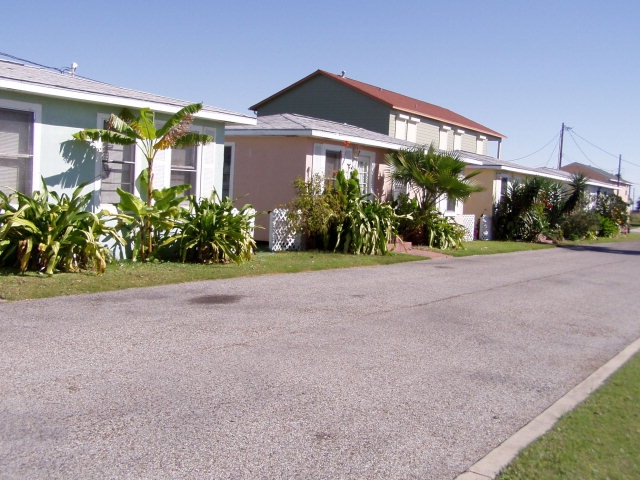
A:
[137,220]
[128,129]
[49,231]
[214,231]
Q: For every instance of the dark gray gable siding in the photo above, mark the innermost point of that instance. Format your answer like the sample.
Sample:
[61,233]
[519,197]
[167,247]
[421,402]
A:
[322,97]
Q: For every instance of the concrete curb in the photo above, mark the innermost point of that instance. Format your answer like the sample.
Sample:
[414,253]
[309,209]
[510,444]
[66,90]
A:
[490,466]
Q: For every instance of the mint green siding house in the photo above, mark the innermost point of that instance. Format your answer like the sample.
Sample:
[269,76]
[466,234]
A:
[40,110]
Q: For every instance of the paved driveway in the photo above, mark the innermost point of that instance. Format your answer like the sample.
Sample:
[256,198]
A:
[398,372]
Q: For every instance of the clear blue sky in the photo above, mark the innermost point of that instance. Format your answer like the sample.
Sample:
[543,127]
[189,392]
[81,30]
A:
[518,67]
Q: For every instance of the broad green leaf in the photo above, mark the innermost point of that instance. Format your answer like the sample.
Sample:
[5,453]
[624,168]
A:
[146,124]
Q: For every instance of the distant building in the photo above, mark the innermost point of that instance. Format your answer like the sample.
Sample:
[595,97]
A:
[622,186]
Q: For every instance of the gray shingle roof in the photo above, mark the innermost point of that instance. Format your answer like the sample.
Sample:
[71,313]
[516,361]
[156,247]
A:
[595,172]
[489,162]
[66,84]
[283,123]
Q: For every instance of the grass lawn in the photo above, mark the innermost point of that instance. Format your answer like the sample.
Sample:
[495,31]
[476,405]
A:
[120,275]
[598,440]
[489,248]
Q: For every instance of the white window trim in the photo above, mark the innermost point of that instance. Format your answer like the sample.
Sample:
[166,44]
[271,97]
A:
[36,109]
[481,143]
[443,141]
[408,127]
[457,139]
[97,183]
[372,166]
[197,188]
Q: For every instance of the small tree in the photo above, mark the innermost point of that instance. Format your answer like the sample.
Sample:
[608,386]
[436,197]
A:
[127,129]
[431,174]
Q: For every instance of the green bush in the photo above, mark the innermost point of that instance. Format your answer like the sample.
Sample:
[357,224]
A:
[427,227]
[613,208]
[608,228]
[537,206]
[338,217]
[365,226]
[213,231]
[579,225]
[135,217]
[314,212]
[47,231]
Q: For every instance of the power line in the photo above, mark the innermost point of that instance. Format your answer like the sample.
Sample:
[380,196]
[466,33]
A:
[630,163]
[582,151]
[540,149]
[594,145]
[552,154]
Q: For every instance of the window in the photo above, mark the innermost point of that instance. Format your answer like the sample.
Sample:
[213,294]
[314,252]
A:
[481,145]
[401,127]
[226,171]
[444,138]
[118,170]
[451,204]
[363,165]
[16,150]
[457,140]
[183,168]
[332,165]
[504,185]
[407,127]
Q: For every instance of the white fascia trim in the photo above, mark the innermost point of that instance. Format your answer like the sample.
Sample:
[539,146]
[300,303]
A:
[120,101]
[597,183]
[229,133]
[258,132]
[524,171]
[471,161]
[358,140]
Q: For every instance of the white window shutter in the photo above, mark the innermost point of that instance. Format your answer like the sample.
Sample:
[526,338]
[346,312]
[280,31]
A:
[209,181]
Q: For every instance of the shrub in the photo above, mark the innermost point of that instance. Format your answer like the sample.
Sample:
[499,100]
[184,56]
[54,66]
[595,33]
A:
[579,225]
[213,231]
[338,217]
[314,212]
[608,228]
[612,207]
[427,227]
[135,217]
[46,232]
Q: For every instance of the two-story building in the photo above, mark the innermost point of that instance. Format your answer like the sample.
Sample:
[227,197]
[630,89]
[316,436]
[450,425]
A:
[343,99]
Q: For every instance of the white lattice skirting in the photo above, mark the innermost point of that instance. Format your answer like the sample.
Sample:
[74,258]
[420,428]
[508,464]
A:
[469,223]
[281,234]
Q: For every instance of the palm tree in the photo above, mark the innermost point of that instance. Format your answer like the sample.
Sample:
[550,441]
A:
[127,129]
[431,174]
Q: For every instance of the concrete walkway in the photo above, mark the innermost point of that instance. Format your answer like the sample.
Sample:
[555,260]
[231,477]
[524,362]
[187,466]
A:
[408,371]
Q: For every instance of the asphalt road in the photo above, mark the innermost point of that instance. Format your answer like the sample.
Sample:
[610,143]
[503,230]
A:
[409,371]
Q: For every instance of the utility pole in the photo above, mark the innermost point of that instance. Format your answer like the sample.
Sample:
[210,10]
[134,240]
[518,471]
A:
[619,164]
[561,142]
